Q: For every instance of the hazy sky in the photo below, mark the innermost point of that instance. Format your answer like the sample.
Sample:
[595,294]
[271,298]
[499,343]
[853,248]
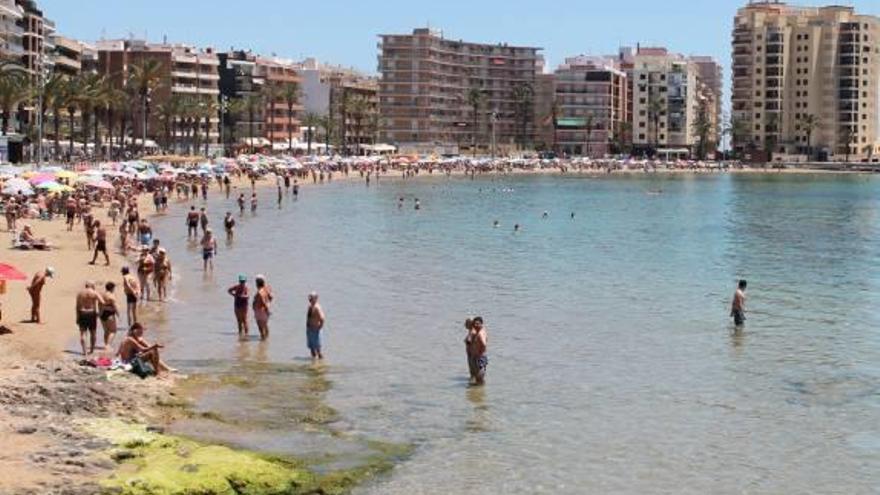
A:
[344,31]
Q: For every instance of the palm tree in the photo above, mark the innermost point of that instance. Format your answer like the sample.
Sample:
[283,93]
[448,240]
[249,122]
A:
[329,125]
[738,130]
[770,136]
[588,127]
[169,112]
[209,109]
[254,104]
[271,93]
[475,99]
[14,89]
[523,96]
[621,136]
[235,108]
[555,110]
[655,109]
[808,123]
[847,138]
[702,127]
[290,93]
[358,108]
[146,77]
[72,98]
[310,121]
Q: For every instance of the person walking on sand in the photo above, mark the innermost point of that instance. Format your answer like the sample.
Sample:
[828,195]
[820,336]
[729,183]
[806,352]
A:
[738,307]
[240,296]
[314,324]
[262,301]
[209,249]
[100,243]
[108,314]
[35,290]
[132,289]
[477,345]
[87,302]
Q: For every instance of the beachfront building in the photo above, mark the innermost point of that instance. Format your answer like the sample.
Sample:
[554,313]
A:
[69,55]
[348,98]
[430,87]
[239,82]
[805,82]
[545,99]
[591,105]
[281,117]
[36,38]
[668,99]
[188,81]
[11,30]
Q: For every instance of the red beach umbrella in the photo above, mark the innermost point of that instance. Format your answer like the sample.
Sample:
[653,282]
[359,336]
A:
[9,272]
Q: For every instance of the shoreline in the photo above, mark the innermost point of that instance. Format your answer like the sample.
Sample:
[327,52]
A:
[44,393]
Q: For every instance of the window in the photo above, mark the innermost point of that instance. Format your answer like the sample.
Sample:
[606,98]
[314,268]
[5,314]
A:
[757,127]
[806,36]
[641,77]
[642,124]
[662,136]
[757,116]
[642,101]
[641,136]
[758,93]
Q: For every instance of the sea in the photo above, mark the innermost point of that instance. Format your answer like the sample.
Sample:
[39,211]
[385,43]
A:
[614,366]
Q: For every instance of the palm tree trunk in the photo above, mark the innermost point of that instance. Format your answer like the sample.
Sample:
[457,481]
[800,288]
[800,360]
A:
[72,125]
[97,137]
[290,130]
[56,123]
[85,131]
[110,133]
[5,122]
[271,131]
[251,129]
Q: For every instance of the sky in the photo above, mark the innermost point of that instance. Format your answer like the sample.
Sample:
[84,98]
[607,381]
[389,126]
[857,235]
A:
[345,31]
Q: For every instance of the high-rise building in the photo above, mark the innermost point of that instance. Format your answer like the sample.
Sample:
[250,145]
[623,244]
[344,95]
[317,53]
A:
[668,98]
[186,73]
[68,55]
[424,90]
[329,91]
[11,30]
[283,125]
[591,101]
[36,38]
[805,81]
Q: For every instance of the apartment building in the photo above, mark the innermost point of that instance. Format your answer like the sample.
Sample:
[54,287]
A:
[805,81]
[68,55]
[280,126]
[668,96]
[328,91]
[186,72]
[424,86]
[591,100]
[36,39]
[11,30]
[239,80]
[545,99]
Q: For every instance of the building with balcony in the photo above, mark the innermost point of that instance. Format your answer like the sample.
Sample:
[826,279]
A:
[11,30]
[36,37]
[281,120]
[68,55]
[186,73]
[330,91]
[668,97]
[805,81]
[591,105]
[424,87]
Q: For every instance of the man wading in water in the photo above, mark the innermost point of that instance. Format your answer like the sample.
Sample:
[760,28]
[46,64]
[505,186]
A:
[314,324]
[476,343]
[738,307]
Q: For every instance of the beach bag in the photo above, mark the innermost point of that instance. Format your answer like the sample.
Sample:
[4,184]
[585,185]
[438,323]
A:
[142,368]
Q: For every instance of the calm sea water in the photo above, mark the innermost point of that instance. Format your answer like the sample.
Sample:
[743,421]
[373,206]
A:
[613,368]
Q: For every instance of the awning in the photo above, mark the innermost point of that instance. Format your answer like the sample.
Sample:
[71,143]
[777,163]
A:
[571,122]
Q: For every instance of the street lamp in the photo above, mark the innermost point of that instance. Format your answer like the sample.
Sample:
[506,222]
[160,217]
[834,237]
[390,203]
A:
[224,107]
[146,105]
[493,119]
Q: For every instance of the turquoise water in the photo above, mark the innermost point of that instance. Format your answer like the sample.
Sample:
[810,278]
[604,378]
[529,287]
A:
[613,366]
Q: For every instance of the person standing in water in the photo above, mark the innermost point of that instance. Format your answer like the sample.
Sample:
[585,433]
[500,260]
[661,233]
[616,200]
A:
[209,249]
[262,301]
[477,347]
[240,305]
[738,307]
[314,325]
[241,203]
[229,225]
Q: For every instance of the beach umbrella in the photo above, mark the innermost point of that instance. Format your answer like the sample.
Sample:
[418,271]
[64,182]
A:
[49,184]
[101,184]
[9,272]
[66,174]
[11,190]
[40,178]
[17,183]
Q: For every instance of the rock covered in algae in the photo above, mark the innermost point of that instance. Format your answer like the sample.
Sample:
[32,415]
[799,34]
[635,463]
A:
[156,464]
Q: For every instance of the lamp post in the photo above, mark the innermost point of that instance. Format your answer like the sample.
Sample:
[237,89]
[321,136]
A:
[146,103]
[224,107]
[493,119]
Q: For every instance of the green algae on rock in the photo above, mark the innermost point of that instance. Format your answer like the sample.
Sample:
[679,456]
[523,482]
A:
[157,464]
[152,463]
